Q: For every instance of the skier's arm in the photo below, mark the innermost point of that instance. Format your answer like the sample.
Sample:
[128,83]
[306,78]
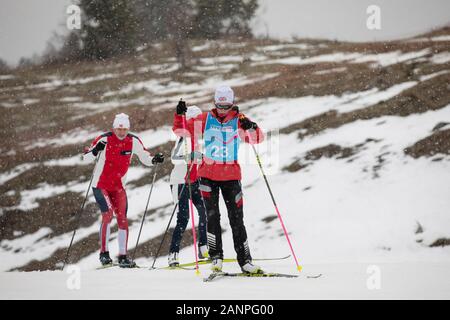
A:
[178,126]
[178,157]
[192,125]
[91,152]
[249,131]
[142,153]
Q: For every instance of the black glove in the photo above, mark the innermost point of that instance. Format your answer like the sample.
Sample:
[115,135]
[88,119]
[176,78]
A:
[158,158]
[181,107]
[246,124]
[99,147]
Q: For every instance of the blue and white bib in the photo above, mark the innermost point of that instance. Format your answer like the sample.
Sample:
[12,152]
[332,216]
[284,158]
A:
[221,139]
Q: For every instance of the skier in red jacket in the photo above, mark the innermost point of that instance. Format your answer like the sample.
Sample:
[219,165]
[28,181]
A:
[220,131]
[116,147]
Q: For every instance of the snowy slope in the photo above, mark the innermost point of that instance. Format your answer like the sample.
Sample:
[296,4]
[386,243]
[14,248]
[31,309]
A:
[374,206]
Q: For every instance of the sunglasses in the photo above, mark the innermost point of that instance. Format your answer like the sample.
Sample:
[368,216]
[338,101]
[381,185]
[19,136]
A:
[224,107]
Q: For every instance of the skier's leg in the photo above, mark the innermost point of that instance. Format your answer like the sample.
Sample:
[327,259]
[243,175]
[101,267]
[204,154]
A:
[210,192]
[200,206]
[120,204]
[182,217]
[104,203]
[232,194]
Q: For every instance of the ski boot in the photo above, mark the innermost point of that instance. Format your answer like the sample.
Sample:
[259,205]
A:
[173,260]
[216,265]
[249,267]
[105,259]
[125,262]
[203,252]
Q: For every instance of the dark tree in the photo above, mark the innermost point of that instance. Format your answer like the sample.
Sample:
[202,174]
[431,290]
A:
[3,66]
[72,48]
[179,28]
[161,20]
[115,27]
[152,16]
[109,28]
[214,19]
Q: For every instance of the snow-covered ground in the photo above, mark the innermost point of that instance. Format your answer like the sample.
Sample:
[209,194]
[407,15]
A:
[425,280]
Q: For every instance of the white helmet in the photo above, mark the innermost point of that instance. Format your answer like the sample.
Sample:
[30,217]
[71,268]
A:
[224,96]
[121,121]
[192,112]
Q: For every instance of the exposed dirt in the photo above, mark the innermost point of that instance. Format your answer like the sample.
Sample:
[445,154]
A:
[8,162]
[79,250]
[295,166]
[269,219]
[429,95]
[141,118]
[164,169]
[436,143]
[54,175]
[57,212]
[329,151]
[441,242]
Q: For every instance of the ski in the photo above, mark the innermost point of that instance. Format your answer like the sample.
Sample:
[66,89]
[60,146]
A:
[314,276]
[144,267]
[216,275]
[208,261]
[173,268]
[213,276]
[107,266]
[184,265]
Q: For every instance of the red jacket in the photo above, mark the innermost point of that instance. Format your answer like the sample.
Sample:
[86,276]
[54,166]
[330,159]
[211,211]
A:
[114,160]
[214,170]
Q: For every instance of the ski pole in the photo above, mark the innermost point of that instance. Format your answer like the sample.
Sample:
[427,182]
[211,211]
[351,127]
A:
[80,212]
[170,220]
[194,234]
[191,207]
[299,267]
[145,212]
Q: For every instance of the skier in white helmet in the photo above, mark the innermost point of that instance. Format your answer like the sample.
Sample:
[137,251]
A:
[220,131]
[180,190]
